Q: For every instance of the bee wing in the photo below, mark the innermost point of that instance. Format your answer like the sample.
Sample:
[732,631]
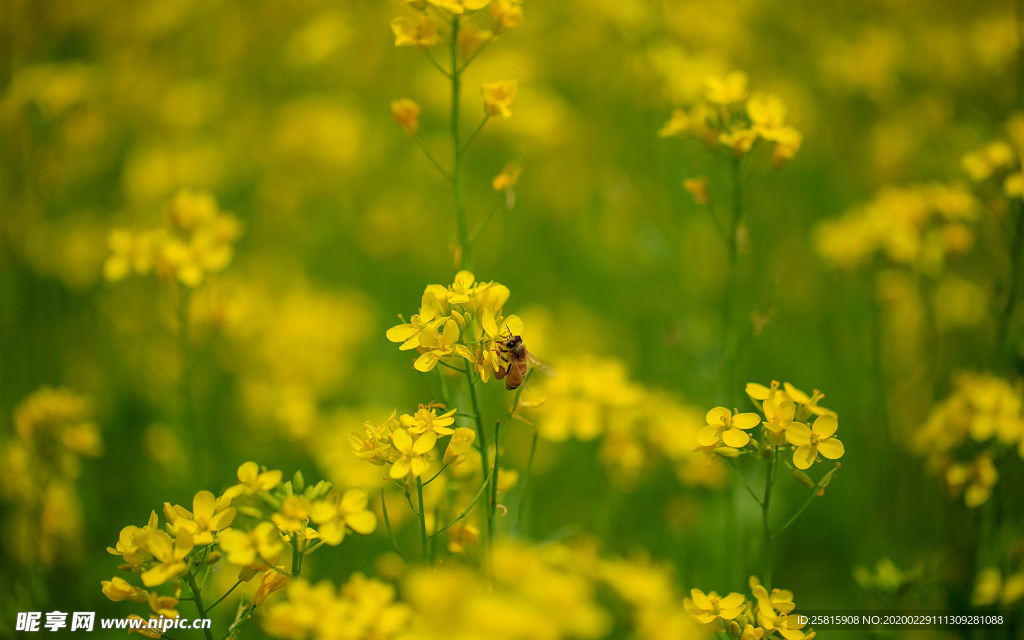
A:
[541,366]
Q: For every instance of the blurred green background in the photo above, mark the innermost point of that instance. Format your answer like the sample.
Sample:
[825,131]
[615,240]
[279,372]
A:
[281,111]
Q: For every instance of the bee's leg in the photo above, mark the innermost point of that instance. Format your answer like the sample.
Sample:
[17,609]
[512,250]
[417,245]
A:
[501,373]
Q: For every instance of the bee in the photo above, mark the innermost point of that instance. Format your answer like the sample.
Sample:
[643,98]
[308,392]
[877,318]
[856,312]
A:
[517,362]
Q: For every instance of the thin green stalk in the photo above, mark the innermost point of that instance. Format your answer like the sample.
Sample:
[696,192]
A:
[387,524]
[430,156]
[731,290]
[190,580]
[472,503]
[769,483]
[461,222]
[1016,261]
[423,521]
[221,599]
[803,507]
[490,214]
[469,140]
[524,495]
[482,438]
[746,485]
[493,503]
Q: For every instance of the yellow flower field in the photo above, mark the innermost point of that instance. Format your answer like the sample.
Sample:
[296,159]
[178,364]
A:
[512,320]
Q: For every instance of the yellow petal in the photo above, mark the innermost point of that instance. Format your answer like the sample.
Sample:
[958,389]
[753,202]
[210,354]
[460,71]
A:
[203,505]
[718,416]
[832,448]
[735,438]
[804,457]
[425,443]
[363,522]
[825,426]
[746,420]
[708,436]
[798,434]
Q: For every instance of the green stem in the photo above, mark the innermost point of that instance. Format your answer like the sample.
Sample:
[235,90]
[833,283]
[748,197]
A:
[482,438]
[190,580]
[478,51]
[483,225]
[731,290]
[461,222]
[803,507]
[469,140]
[472,503]
[493,503]
[746,485]
[1016,261]
[430,156]
[221,599]
[423,521]
[769,483]
[387,524]
[524,495]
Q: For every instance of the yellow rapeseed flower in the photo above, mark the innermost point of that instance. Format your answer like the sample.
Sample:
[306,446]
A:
[819,438]
[407,114]
[711,607]
[723,427]
[337,513]
[415,456]
[498,97]
[725,90]
[459,7]
[420,34]
[208,516]
[507,14]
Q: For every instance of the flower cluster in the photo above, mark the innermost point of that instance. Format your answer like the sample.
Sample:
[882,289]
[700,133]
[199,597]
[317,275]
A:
[732,117]
[769,615]
[464,320]
[410,444]
[195,241]
[1000,160]
[992,588]
[361,608]
[595,398]
[455,22]
[964,433]
[784,412]
[278,516]
[39,468]
[916,227]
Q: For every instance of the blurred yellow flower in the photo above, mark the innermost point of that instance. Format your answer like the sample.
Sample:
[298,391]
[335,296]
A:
[507,14]
[130,252]
[739,140]
[1013,186]
[407,114]
[260,547]
[471,39]
[459,7]
[459,445]
[508,178]
[118,589]
[420,34]
[677,126]
[727,89]
[498,97]
[976,479]
[698,188]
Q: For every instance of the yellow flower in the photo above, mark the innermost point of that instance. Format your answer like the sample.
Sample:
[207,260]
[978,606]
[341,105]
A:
[819,438]
[727,89]
[261,546]
[462,537]
[426,419]
[724,427]
[711,607]
[337,512]
[778,416]
[677,126]
[271,582]
[119,589]
[374,445]
[459,444]
[698,188]
[130,252]
[979,477]
[169,555]
[132,542]
[988,160]
[437,345]
[507,14]
[459,7]
[421,34]
[498,97]
[990,588]
[142,628]
[787,143]
[417,332]
[252,481]
[739,140]
[294,515]
[1013,186]
[471,39]
[414,455]
[407,114]
[208,516]
[508,178]
[767,112]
